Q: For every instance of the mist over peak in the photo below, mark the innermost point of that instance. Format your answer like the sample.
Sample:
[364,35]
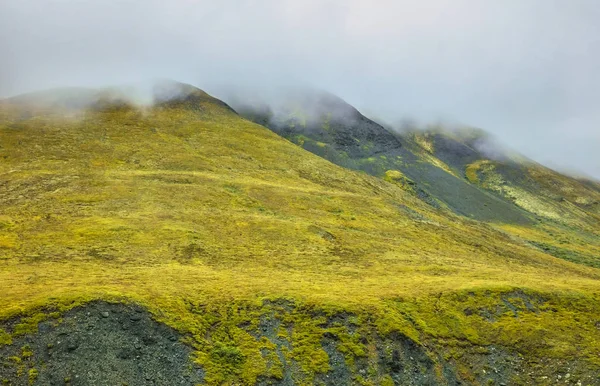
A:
[524,71]
[139,95]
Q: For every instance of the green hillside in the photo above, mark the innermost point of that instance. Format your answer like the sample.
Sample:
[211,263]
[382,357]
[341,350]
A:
[277,266]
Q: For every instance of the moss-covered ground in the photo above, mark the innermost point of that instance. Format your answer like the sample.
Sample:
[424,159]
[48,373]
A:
[212,222]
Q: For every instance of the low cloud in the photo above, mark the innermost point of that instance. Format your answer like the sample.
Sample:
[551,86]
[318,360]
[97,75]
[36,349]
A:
[524,70]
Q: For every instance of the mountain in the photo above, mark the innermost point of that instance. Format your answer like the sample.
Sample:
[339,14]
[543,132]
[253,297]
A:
[338,132]
[464,170]
[564,208]
[541,191]
[176,241]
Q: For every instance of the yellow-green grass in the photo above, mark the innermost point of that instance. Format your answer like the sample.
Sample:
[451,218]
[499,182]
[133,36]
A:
[184,210]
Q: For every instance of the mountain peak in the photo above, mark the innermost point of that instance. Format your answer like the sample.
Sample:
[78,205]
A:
[161,93]
[320,117]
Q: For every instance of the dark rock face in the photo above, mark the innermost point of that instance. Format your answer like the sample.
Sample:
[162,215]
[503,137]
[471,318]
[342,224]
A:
[395,357]
[100,344]
[327,119]
[407,363]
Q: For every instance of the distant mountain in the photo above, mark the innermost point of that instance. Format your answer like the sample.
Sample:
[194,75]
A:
[543,192]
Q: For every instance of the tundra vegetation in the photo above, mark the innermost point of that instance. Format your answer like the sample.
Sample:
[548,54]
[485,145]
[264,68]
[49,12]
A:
[277,266]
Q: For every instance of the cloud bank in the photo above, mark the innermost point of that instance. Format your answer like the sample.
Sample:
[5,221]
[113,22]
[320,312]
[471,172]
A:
[525,70]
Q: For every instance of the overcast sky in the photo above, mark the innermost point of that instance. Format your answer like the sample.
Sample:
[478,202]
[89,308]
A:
[526,70]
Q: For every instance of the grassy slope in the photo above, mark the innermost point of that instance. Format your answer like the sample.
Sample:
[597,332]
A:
[183,209]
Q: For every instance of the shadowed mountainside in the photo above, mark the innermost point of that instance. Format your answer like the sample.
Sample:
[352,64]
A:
[464,170]
[327,126]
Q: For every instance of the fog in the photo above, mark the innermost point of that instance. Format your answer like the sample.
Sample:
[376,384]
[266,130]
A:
[527,71]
